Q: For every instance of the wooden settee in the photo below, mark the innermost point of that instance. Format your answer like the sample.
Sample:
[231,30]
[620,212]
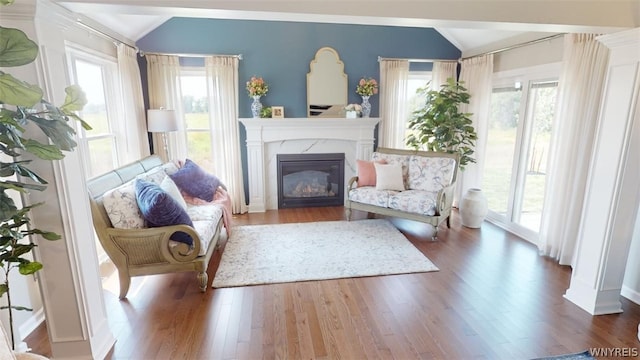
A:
[426,194]
[147,251]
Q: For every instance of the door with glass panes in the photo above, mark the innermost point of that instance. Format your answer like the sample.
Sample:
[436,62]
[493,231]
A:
[518,146]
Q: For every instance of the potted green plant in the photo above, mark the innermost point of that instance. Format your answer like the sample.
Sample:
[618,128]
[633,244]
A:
[439,125]
[21,107]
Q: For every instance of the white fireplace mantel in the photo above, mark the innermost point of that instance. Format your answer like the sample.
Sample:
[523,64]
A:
[307,132]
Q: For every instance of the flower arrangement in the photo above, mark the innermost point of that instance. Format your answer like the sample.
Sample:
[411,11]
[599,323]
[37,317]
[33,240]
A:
[257,87]
[353,107]
[367,87]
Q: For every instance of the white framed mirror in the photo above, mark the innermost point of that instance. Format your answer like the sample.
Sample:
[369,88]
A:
[326,85]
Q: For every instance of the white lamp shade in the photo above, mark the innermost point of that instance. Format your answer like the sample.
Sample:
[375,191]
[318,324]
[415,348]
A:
[161,120]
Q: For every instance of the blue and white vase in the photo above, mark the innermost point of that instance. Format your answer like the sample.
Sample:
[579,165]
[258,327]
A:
[366,106]
[256,106]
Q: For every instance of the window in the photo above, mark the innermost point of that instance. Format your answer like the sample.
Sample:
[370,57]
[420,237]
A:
[518,144]
[417,80]
[195,103]
[98,78]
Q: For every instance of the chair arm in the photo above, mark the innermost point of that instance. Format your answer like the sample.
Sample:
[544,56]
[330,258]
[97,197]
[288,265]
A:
[444,200]
[352,181]
[157,239]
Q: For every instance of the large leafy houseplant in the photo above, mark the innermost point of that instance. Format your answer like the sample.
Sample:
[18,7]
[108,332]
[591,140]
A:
[438,124]
[23,111]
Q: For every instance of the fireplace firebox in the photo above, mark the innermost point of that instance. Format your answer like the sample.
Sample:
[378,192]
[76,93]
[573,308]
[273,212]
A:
[310,180]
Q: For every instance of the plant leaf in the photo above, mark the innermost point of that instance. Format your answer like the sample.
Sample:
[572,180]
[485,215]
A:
[16,49]
[43,151]
[29,268]
[47,235]
[84,124]
[60,133]
[75,99]
[7,207]
[3,289]
[17,92]
[8,169]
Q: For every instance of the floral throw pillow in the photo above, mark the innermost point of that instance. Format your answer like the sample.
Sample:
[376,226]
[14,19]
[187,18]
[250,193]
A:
[122,207]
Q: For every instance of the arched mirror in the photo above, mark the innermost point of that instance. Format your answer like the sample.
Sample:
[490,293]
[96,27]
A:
[326,84]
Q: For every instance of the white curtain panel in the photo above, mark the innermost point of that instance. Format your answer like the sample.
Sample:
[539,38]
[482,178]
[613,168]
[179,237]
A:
[133,105]
[442,70]
[394,76]
[576,118]
[477,75]
[163,73]
[222,82]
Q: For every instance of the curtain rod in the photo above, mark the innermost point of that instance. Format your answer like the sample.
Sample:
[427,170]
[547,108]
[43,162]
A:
[417,60]
[507,48]
[143,53]
[104,34]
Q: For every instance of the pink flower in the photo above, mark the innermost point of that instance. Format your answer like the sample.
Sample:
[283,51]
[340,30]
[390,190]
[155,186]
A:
[367,87]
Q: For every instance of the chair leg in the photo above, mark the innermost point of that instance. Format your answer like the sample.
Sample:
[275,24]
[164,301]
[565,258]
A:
[203,279]
[449,221]
[125,281]
[348,210]
[434,237]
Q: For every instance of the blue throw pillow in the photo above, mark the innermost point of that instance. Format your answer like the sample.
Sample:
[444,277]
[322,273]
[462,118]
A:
[159,209]
[194,181]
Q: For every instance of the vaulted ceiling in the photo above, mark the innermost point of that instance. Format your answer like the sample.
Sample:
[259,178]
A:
[474,26]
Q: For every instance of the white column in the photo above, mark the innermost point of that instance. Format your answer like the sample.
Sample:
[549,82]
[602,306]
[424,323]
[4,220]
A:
[70,283]
[613,195]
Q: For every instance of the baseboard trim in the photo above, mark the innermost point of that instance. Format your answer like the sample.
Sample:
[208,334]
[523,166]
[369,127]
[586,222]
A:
[630,294]
[31,324]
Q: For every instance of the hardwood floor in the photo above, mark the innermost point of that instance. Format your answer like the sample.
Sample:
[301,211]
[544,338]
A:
[493,298]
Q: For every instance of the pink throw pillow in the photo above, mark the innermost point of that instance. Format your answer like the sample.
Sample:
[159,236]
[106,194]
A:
[367,172]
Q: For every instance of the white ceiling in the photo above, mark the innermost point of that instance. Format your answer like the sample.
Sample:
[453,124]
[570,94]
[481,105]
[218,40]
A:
[473,26]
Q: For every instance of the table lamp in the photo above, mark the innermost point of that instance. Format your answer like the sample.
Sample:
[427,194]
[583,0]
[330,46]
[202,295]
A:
[162,121]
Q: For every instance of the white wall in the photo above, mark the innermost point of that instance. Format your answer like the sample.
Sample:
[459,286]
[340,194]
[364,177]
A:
[545,52]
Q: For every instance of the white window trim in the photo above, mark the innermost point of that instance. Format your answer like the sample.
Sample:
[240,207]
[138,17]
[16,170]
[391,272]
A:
[538,73]
[113,94]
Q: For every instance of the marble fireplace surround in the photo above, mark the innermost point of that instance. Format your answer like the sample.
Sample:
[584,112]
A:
[268,137]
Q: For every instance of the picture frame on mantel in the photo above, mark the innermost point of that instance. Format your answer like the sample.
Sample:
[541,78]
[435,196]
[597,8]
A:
[277,112]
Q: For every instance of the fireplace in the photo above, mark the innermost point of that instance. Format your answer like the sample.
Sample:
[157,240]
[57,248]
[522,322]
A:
[310,180]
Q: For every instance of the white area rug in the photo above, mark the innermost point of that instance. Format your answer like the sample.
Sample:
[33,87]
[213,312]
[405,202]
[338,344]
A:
[265,254]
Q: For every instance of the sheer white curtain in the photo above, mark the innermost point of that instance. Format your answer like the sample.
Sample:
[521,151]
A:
[579,93]
[394,76]
[133,105]
[442,70]
[477,75]
[163,72]
[222,83]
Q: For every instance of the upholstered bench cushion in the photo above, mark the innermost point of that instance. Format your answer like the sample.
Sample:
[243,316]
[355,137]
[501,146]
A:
[369,195]
[205,229]
[414,201]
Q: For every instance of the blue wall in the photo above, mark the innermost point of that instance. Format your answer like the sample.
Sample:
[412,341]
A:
[280,52]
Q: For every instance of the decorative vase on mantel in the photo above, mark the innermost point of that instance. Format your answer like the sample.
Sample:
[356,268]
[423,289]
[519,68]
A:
[256,106]
[473,208]
[366,106]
